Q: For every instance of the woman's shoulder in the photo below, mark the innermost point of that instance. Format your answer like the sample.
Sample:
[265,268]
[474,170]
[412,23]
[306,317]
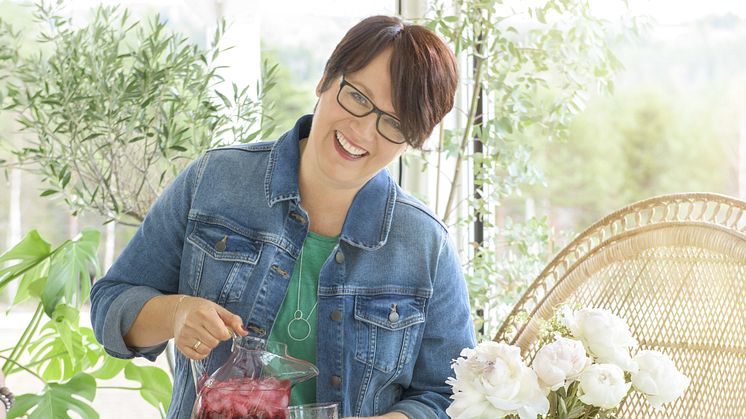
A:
[238,155]
[412,210]
[253,147]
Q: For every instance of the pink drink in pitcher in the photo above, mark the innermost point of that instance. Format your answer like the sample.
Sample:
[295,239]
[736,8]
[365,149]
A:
[245,398]
[253,383]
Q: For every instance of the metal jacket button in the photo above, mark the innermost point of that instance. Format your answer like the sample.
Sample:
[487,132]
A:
[256,329]
[222,244]
[336,315]
[336,381]
[339,257]
[297,217]
[283,273]
[394,314]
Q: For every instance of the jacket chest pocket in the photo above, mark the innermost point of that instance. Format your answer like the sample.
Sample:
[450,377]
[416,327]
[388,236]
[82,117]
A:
[222,262]
[387,327]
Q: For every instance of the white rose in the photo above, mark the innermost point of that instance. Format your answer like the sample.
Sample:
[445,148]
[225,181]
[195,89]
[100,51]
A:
[658,378]
[606,335]
[466,370]
[603,385]
[469,400]
[493,382]
[560,361]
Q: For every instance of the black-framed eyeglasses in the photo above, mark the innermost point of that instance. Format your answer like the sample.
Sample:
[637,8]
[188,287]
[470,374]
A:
[355,102]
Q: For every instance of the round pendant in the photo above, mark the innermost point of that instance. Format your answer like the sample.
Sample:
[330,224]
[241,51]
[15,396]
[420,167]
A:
[302,327]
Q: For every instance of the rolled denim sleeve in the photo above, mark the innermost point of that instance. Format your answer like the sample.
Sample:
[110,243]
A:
[149,266]
[448,329]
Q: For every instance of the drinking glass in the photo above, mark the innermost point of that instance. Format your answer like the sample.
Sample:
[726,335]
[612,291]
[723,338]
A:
[313,411]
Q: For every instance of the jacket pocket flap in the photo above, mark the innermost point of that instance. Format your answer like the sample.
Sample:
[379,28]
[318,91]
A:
[222,243]
[392,312]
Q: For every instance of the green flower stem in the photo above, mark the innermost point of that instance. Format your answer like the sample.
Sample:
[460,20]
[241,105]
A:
[24,340]
[46,358]
[35,320]
[8,360]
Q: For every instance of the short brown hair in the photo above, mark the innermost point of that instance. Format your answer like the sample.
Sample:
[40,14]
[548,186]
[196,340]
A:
[423,70]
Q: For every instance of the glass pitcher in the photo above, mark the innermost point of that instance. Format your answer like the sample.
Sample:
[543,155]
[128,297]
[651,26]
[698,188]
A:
[253,383]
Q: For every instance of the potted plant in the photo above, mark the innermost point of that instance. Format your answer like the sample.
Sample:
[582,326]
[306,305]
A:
[112,111]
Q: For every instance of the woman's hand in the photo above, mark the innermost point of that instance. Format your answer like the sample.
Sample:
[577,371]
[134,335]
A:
[200,325]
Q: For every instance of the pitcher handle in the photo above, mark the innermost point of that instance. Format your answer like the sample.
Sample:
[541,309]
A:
[199,374]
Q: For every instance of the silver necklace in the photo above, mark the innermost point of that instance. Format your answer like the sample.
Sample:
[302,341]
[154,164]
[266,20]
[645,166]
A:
[298,315]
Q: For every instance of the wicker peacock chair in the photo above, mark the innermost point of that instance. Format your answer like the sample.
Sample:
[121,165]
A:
[674,267]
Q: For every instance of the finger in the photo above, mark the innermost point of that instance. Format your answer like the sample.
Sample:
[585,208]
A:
[217,332]
[216,327]
[186,346]
[192,354]
[233,321]
[197,330]
[208,339]
[190,335]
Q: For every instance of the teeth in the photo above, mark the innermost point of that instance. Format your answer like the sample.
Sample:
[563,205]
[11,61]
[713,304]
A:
[357,152]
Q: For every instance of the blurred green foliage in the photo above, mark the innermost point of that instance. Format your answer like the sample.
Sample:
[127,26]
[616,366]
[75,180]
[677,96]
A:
[534,67]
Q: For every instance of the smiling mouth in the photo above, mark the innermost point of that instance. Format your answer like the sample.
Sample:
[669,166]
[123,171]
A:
[347,147]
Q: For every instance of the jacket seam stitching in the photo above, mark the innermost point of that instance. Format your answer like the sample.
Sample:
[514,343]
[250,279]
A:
[198,179]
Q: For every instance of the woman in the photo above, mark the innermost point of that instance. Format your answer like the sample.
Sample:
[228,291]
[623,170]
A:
[377,300]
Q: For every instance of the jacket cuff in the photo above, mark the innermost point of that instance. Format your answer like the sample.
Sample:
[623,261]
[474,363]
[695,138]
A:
[414,410]
[119,318]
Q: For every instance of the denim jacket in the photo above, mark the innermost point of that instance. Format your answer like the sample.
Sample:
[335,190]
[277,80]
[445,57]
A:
[230,228]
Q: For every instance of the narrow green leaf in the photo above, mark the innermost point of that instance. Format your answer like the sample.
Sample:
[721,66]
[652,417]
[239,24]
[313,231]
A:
[66,179]
[49,192]
[92,136]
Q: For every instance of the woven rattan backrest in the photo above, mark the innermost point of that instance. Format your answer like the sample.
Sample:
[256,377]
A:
[674,267]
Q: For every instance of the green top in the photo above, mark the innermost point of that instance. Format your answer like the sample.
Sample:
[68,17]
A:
[316,249]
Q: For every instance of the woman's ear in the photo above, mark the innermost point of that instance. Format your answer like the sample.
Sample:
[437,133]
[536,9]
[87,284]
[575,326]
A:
[318,86]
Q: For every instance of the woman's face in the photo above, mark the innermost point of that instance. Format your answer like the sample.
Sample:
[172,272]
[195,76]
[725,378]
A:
[347,150]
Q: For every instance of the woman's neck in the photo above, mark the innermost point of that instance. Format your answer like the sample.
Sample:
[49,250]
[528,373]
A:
[325,204]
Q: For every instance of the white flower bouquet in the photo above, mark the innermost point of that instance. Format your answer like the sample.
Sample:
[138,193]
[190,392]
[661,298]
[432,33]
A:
[583,370]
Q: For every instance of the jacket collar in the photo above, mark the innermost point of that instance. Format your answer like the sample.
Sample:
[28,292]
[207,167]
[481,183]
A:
[369,218]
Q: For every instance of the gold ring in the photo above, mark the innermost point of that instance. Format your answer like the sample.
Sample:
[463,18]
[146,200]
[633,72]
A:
[197,344]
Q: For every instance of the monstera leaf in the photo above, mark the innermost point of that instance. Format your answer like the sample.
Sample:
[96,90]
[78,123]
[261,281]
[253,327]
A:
[31,251]
[32,282]
[70,272]
[63,349]
[110,368]
[156,384]
[58,399]
[66,278]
